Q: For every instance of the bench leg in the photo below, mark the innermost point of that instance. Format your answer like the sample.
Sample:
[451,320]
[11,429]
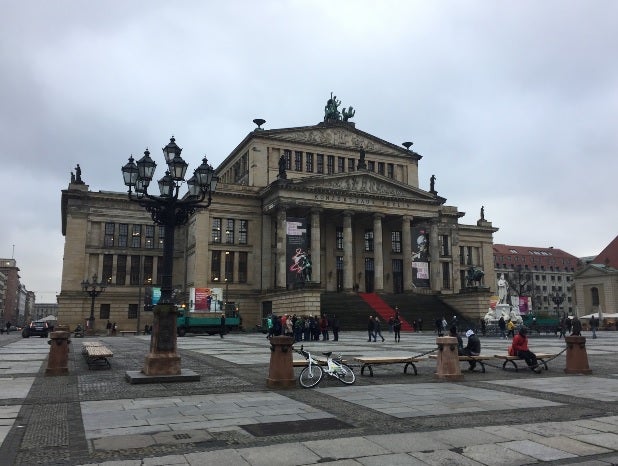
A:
[543,363]
[405,368]
[512,362]
[368,366]
[482,366]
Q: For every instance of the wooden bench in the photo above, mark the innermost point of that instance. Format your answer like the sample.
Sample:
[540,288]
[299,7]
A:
[97,355]
[87,344]
[480,359]
[369,362]
[127,332]
[540,357]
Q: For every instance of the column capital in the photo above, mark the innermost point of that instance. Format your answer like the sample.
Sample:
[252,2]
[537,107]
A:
[316,210]
[348,213]
[377,216]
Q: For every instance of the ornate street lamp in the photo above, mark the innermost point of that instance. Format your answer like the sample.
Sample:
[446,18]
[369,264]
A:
[92,289]
[168,210]
[558,299]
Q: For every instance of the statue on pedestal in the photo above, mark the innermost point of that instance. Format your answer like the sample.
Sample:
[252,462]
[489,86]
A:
[502,289]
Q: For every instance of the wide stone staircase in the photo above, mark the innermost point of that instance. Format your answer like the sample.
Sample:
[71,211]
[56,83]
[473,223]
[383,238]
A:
[353,309]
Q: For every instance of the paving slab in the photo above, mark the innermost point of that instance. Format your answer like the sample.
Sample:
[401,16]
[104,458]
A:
[346,448]
[491,454]
[537,450]
[290,454]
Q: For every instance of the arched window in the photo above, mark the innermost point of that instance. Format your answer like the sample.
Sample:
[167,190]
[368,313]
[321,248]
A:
[594,292]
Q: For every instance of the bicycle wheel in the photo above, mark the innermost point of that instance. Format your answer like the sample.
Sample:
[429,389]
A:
[310,378]
[346,375]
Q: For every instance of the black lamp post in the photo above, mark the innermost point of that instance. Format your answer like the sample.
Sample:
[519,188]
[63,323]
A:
[92,289]
[168,210]
[558,299]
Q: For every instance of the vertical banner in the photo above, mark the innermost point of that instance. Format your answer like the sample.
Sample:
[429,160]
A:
[205,299]
[298,265]
[152,295]
[420,257]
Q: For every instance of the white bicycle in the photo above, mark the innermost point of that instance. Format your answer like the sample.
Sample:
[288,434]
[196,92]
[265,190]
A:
[312,375]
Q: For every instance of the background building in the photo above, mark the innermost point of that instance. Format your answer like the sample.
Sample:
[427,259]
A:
[17,301]
[545,275]
[298,214]
[596,285]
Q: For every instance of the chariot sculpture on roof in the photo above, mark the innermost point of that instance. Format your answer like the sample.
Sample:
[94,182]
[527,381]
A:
[332,113]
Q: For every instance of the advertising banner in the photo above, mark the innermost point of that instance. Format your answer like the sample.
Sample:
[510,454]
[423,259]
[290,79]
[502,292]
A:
[152,295]
[420,257]
[524,304]
[205,299]
[298,265]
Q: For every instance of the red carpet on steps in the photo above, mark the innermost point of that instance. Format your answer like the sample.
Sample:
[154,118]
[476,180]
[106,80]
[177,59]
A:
[383,310]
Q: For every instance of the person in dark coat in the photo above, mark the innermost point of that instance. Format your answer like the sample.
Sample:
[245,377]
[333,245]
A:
[473,348]
[377,329]
[397,328]
[222,329]
[371,329]
[335,326]
[502,327]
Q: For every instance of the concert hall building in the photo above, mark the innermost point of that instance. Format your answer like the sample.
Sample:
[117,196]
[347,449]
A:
[298,213]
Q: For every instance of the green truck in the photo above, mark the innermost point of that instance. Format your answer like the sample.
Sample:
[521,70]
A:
[207,322]
[541,323]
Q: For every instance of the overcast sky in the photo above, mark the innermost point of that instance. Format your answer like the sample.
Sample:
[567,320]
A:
[512,105]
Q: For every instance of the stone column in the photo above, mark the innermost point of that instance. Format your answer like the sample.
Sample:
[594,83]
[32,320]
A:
[435,272]
[281,369]
[281,235]
[576,355]
[406,240]
[348,260]
[447,363]
[378,254]
[58,362]
[316,271]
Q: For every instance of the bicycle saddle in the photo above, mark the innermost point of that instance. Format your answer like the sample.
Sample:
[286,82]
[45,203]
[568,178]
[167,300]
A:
[327,354]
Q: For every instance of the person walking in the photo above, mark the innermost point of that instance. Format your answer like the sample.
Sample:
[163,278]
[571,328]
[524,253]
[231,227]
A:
[510,326]
[594,325]
[439,326]
[222,329]
[397,328]
[371,329]
[502,327]
[377,329]
[109,328]
[335,326]
[420,324]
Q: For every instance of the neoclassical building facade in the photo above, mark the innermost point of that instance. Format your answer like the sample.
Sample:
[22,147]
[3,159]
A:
[298,212]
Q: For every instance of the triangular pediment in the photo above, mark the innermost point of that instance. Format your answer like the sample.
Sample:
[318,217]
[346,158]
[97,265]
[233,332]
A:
[337,136]
[595,270]
[362,183]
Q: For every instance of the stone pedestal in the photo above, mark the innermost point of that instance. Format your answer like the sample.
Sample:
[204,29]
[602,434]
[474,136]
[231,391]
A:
[58,361]
[162,364]
[447,362]
[281,371]
[576,356]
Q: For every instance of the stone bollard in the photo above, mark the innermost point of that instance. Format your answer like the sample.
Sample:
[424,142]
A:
[447,364]
[58,361]
[576,355]
[281,372]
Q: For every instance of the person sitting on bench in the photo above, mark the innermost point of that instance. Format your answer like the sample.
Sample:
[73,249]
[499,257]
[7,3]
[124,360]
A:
[519,348]
[473,348]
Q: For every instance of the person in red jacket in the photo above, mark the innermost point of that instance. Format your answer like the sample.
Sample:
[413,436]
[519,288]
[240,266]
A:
[519,348]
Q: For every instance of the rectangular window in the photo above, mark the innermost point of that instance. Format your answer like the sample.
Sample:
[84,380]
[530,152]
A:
[390,170]
[136,236]
[351,165]
[340,164]
[320,163]
[396,241]
[148,268]
[469,261]
[371,165]
[330,164]
[110,229]
[104,311]
[229,231]
[309,162]
[108,267]
[161,236]
[368,240]
[242,231]
[123,235]
[242,267]
[149,237]
[288,159]
[462,256]
[298,161]
[446,275]
[135,263]
[380,168]
[339,262]
[216,230]
[229,266]
[339,238]
[215,266]
[444,246]
[132,313]
[159,279]
[121,270]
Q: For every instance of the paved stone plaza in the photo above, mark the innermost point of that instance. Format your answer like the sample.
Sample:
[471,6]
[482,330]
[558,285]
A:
[229,417]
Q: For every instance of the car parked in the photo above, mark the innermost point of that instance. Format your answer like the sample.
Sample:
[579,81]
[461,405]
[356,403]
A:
[39,328]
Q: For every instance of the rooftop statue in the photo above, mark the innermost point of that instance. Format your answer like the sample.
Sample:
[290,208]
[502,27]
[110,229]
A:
[331,110]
